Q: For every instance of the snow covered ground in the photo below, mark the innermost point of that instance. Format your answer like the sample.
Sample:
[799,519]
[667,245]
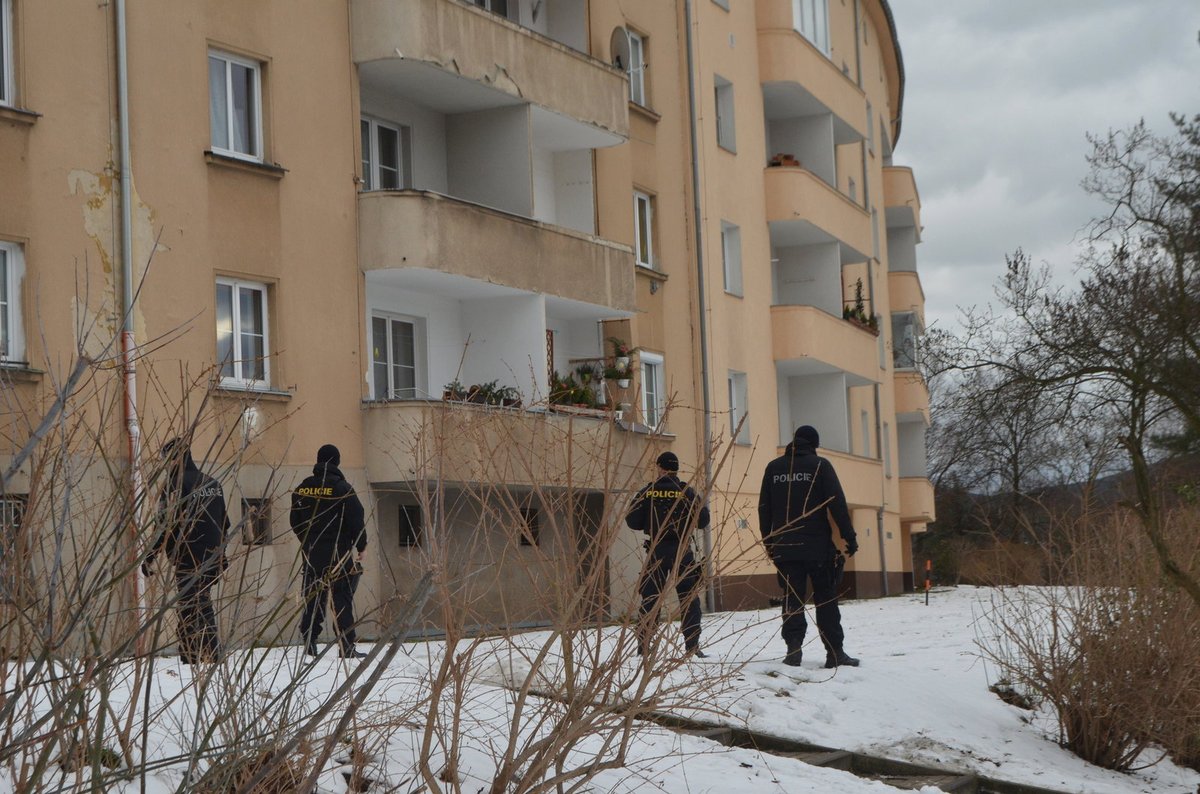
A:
[920,695]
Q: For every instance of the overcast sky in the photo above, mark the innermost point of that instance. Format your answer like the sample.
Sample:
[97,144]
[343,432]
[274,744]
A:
[999,97]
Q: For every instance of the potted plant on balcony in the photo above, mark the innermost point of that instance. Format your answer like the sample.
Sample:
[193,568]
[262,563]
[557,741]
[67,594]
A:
[509,396]
[619,374]
[857,312]
[454,391]
[621,352]
[483,393]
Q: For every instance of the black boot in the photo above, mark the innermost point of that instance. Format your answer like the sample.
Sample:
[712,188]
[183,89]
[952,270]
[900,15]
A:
[795,652]
[839,659]
[350,652]
[694,650]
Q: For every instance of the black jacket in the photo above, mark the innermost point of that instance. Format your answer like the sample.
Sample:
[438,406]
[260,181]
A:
[326,512]
[664,510]
[191,516]
[799,491]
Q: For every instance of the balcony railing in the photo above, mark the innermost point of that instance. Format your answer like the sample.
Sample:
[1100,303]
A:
[427,231]
[806,332]
[414,440]
[797,197]
[390,38]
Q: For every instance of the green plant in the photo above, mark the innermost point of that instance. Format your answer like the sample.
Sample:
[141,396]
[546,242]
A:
[454,391]
[620,347]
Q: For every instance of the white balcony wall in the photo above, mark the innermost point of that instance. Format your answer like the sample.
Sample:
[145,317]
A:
[810,139]
[911,440]
[444,339]
[488,158]
[902,248]
[809,275]
[564,190]
[507,342]
[573,340]
[428,135]
[817,400]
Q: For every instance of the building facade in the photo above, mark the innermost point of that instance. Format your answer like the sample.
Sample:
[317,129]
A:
[353,222]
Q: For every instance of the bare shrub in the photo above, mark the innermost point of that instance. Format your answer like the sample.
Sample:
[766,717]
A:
[1114,652]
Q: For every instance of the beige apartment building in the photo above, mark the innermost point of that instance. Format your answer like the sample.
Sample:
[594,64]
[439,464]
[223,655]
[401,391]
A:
[313,222]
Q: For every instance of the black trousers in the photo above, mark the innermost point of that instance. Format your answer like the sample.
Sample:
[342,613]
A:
[198,640]
[794,576]
[327,573]
[659,565]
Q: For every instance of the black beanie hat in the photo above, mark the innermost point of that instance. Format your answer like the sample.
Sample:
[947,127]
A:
[807,434]
[668,461]
[328,453]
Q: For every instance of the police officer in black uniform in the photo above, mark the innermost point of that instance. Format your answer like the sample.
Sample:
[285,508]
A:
[799,496]
[667,510]
[192,526]
[329,519]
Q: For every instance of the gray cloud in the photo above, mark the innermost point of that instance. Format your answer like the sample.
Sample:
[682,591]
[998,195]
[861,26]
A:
[999,100]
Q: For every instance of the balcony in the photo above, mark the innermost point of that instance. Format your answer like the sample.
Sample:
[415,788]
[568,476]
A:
[905,292]
[803,210]
[498,445]
[799,80]
[900,198]
[912,397]
[861,478]
[432,238]
[916,500]
[456,58]
[808,341]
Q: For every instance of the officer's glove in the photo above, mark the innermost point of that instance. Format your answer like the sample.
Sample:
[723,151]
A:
[147,568]
[851,549]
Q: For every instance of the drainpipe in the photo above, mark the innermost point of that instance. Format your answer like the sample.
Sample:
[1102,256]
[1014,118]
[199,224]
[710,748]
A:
[128,342]
[882,491]
[706,533]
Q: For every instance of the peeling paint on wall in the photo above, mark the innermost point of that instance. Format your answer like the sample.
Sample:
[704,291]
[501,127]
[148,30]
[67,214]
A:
[101,221]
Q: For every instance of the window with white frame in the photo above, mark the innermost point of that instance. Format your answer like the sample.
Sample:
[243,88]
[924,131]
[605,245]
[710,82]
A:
[723,90]
[386,155]
[905,332]
[12,334]
[397,360]
[243,341]
[12,517]
[810,18]
[864,430]
[887,450]
[738,406]
[643,228]
[235,105]
[731,251]
[7,61]
[652,389]
[636,68]
[870,129]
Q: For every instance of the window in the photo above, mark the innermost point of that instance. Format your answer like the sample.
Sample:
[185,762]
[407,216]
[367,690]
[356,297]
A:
[12,516]
[810,18]
[875,233]
[235,106]
[256,522]
[725,127]
[738,399]
[887,450]
[396,357]
[643,229]
[731,251]
[386,155]
[865,432]
[905,330]
[7,61]
[242,340]
[652,389]
[636,68]
[870,129]
[410,526]
[12,335]
[530,527]
[509,9]
[722,3]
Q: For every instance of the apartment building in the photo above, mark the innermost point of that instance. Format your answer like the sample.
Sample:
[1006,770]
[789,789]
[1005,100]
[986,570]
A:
[312,223]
